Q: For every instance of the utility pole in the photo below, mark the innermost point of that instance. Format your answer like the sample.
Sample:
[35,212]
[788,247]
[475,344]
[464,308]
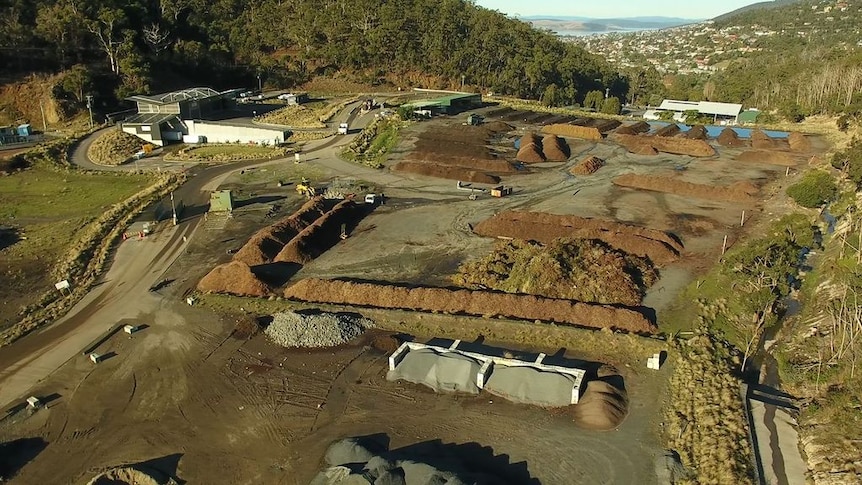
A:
[173,208]
[90,108]
[607,93]
[44,122]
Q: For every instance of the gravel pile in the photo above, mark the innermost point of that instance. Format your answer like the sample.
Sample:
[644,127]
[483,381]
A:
[294,329]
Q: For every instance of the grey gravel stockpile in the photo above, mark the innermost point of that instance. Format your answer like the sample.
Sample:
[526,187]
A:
[355,461]
[292,329]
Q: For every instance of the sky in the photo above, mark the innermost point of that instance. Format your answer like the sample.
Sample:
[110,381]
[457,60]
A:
[616,8]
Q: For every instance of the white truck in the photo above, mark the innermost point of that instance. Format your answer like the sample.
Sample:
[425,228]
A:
[343,129]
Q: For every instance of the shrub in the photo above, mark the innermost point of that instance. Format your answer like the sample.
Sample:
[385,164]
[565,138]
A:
[814,190]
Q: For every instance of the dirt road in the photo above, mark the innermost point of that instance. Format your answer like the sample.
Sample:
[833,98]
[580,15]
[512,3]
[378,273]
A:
[123,293]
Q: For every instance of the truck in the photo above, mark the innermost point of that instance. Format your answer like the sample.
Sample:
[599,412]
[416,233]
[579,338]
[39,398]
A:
[343,129]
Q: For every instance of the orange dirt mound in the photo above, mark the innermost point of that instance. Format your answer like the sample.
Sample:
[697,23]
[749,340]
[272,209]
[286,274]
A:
[479,303]
[767,156]
[529,138]
[762,141]
[730,138]
[634,129]
[265,244]
[587,166]
[555,149]
[234,278]
[697,132]
[530,153]
[446,172]
[656,245]
[317,238]
[572,131]
[669,130]
[677,146]
[799,142]
[738,192]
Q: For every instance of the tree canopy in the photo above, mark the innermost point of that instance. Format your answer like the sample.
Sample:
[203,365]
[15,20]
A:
[145,45]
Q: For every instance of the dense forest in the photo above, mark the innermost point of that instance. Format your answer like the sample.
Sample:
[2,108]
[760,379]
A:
[127,46]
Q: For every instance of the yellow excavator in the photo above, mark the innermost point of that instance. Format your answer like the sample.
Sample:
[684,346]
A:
[305,188]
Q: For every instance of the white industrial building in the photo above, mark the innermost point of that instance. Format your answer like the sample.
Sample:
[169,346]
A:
[195,116]
[722,113]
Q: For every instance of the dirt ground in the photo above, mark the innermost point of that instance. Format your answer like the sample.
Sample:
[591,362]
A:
[190,400]
[212,409]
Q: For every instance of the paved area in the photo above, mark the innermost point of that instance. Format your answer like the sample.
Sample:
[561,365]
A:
[776,437]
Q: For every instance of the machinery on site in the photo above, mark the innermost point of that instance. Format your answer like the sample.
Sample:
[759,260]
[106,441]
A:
[305,188]
[501,191]
[343,128]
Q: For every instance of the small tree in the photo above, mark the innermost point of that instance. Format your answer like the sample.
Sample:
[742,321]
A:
[815,189]
[551,96]
[594,100]
[611,106]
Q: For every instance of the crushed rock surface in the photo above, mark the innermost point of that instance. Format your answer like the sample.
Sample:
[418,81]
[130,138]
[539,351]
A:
[294,329]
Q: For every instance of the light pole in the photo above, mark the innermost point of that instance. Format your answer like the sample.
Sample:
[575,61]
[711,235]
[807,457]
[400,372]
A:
[259,84]
[173,208]
[607,93]
[90,108]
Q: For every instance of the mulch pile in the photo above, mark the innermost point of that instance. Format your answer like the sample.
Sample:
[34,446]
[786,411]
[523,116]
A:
[770,157]
[530,152]
[498,127]
[730,138]
[762,141]
[234,278]
[743,192]
[679,146]
[266,243]
[669,130]
[321,235]
[799,142]
[603,406]
[697,132]
[587,166]
[446,172]
[572,131]
[555,149]
[600,124]
[634,129]
[656,245]
[478,303]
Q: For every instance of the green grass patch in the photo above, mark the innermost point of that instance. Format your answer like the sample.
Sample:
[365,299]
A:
[228,152]
[40,194]
[374,143]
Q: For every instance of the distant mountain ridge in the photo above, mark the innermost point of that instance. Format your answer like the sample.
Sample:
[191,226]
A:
[588,24]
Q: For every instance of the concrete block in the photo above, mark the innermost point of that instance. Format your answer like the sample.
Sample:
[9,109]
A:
[398,355]
[455,345]
[484,373]
[130,329]
[540,358]
[95,358]
[34,402]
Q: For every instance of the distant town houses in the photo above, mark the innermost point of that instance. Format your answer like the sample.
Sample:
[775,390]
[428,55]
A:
[709,46]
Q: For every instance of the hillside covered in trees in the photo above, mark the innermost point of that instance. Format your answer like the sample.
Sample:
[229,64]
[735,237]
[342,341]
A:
[137,46]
